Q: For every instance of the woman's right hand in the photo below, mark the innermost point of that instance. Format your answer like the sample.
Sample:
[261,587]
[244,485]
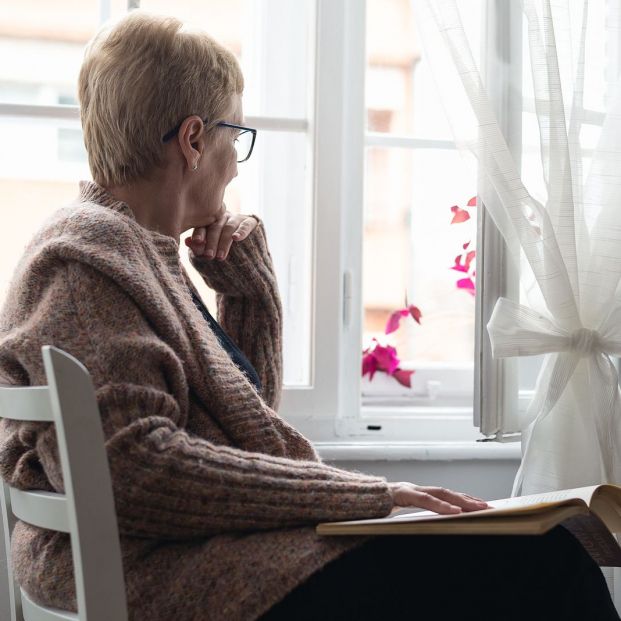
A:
[436,499]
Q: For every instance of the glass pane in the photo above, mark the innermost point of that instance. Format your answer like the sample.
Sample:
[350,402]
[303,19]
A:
[401,96]
[46,52]
[35,182]
[410,247]
[257,32]
[269,184]
[274,185]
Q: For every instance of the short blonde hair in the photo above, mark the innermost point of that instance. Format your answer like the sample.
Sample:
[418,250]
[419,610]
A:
[141,76]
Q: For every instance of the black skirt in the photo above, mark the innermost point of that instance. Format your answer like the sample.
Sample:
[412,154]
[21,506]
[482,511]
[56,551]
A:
[499,578]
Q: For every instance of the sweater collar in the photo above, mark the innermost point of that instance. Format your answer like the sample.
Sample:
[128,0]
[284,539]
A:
[167,246]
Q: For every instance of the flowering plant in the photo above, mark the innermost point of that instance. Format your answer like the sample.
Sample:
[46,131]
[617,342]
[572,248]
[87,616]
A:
[384,358]
[464,261]
[379,357]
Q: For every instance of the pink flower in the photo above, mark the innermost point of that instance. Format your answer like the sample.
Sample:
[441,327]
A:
[404,377]
[467,284]
[463,262]
[395,318]
[459,215]
[369,364]
[416,313]
[384,358]
[458,267]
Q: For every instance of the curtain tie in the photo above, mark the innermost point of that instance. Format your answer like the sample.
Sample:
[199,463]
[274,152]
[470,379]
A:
[585,342]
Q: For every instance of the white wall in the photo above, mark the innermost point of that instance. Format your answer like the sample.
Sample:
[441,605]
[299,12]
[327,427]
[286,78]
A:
[487,479]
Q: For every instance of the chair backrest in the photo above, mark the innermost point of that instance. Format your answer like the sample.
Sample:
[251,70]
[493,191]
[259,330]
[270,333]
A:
[86,509]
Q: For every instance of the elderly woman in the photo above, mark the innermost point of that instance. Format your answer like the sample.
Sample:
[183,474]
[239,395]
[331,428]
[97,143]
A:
[216,495]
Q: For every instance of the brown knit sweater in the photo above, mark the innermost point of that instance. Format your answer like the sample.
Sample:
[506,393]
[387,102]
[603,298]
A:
[216,496]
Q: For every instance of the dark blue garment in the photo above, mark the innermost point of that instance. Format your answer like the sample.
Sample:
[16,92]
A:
[234,352]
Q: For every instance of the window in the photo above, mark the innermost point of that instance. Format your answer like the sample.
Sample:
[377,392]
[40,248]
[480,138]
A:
[350,172]
[40,164]
[413,176]
[409,177]
[38,107]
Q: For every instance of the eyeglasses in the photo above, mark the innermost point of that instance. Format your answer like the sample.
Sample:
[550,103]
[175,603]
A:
[243,141]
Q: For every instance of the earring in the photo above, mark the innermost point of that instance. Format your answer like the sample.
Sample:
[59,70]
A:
[195,165]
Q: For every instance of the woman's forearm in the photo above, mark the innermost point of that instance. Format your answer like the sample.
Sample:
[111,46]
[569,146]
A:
[249,307]
[168,484]
[256,327]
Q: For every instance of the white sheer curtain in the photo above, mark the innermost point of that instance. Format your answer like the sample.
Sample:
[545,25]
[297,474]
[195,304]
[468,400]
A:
[562,226]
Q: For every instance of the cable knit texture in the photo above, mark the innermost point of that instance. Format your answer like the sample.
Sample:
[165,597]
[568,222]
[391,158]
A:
[216,495]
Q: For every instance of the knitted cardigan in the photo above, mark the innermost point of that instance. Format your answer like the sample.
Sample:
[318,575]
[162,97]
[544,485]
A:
[216,496]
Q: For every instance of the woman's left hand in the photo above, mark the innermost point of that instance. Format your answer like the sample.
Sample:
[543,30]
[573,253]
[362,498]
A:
[215,240]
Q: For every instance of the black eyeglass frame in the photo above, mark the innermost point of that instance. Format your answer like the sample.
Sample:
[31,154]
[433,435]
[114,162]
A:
[173,132]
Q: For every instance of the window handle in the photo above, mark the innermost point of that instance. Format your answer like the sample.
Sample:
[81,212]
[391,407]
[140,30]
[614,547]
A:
[347,296]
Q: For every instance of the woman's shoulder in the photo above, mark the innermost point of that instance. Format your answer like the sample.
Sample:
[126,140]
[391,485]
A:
[84,223]
[82,234]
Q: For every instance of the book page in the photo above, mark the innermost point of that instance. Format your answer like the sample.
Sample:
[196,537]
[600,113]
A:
[606,504]
[503,504]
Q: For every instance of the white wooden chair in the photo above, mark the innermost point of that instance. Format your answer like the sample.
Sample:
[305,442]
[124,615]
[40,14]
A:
[86,509]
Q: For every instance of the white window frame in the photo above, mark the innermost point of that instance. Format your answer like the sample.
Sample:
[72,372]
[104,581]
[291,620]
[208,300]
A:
[336,126]
[494,384]
[330,408]
[333,410]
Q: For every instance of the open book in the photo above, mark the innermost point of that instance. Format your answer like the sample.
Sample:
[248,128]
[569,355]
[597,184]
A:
[592,514]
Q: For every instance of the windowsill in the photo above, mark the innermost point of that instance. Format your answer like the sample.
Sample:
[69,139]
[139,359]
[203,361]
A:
[418,451]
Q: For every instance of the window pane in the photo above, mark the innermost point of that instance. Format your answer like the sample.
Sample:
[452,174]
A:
[410,246]
[34,182]
[42,149]
[46,51]
[401,96]
[274,185]
[257,32]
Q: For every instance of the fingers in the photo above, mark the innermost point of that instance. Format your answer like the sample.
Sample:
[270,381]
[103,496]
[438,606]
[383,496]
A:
[410,495]
[215,240]
[226,239]
[197,240]
[430,502]
[436,499]
[474,498]
[245,228]
[464,501]
[212,239]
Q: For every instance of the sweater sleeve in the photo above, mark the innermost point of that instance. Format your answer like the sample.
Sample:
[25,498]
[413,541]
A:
[249,307]
[167,482]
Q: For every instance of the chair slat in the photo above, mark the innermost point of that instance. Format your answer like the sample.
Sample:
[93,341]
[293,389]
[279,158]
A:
[30,403]
[86,510]
[42,509]
[34,612]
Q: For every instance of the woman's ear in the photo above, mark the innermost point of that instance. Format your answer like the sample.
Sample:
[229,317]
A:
[190,139]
